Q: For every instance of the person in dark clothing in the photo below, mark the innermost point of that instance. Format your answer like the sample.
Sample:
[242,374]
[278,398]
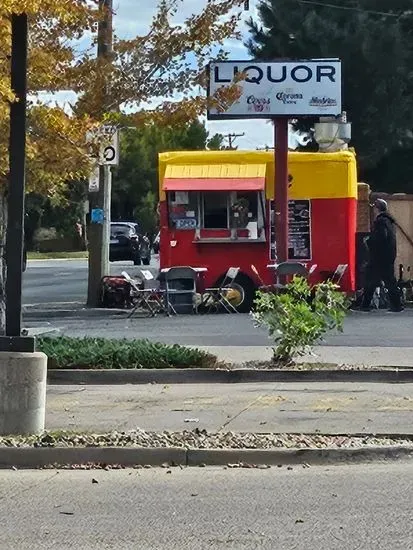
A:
[383,251]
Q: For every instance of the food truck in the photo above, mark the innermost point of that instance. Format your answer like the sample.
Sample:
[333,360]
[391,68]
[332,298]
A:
[217,212]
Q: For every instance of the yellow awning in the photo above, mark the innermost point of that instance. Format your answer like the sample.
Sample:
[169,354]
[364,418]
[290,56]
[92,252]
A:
[214,171]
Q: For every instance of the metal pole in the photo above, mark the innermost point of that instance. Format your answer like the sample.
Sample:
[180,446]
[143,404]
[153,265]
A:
[281,187]
[17,159]
[107,191]
[98,265]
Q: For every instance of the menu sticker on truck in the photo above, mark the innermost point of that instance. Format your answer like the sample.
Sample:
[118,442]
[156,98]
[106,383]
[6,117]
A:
[299,230]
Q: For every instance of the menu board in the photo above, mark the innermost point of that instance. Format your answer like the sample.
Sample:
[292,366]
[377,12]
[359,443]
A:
[299,230]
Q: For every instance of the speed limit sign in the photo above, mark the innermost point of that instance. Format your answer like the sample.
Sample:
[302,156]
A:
[109,150]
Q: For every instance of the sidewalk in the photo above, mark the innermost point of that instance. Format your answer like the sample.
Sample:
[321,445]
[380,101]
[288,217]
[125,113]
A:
[305,408]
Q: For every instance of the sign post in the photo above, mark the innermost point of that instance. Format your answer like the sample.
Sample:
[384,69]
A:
[281,187]
[100,189]
[278,91]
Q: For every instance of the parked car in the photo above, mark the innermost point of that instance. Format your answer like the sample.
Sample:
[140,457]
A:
[156,243]
[127,244]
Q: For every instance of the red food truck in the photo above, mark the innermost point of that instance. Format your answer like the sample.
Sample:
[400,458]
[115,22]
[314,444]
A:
[217,212]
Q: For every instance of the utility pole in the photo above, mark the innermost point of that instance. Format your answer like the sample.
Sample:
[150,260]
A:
[100,200]
[231,138]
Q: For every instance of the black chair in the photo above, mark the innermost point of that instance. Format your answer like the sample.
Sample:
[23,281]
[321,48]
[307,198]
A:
[180,290]
[285,270]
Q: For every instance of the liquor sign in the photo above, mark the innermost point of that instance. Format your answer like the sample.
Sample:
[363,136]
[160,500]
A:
[281,88]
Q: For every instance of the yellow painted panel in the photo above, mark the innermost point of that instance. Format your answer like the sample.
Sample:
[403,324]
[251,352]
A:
[215,171]
[315,175]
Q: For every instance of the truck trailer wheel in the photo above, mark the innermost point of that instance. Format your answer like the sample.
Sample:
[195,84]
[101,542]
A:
[242,293]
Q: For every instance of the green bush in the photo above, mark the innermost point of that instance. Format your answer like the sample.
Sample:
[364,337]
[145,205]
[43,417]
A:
[300,317]
[102,353]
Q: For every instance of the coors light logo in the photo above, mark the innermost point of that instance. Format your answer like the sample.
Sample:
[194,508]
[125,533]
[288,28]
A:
[258,104]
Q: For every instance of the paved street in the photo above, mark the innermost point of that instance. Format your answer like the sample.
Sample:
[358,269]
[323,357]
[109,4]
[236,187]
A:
[367,330]
[62,281]
[319,508]
[267,407]
[48,281]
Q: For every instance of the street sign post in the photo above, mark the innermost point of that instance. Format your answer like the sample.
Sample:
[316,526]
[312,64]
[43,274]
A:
[275,90]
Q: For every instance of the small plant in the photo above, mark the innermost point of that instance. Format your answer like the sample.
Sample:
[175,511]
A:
[300,317]
[104,353]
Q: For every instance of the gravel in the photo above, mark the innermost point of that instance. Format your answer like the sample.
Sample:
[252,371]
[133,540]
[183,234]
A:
[201,439]
[270,365]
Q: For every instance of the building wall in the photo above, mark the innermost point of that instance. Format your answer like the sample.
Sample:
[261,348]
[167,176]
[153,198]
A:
[401,208]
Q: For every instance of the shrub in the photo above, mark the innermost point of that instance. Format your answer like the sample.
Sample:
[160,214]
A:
[299,317]
[102,353]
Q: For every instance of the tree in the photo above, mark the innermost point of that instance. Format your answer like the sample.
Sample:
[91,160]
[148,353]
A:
[166,65]
[216,142]
[374,40]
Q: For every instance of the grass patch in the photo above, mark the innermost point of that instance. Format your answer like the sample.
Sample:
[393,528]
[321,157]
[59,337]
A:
[102,353]
[57,255]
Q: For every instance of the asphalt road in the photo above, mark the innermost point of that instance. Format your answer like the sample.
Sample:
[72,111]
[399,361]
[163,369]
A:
[378,329]
[53,281]
[65,281]
[319,508]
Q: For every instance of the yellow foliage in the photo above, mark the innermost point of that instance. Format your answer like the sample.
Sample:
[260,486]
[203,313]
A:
[138,71]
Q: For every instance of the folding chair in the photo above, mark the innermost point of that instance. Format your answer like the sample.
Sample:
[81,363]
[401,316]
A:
[218,297]
[147,299]
[339,273]
[286,269]
[180,290]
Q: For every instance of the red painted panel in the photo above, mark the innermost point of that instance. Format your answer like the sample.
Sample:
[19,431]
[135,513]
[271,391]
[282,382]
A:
[333,243]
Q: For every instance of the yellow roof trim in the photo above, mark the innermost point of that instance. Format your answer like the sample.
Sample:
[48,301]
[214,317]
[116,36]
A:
[215,171]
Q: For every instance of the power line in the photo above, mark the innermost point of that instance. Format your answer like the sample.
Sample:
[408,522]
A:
[348,8]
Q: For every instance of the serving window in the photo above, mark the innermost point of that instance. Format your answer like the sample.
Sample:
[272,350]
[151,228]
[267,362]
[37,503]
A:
[183,209]
[218,210]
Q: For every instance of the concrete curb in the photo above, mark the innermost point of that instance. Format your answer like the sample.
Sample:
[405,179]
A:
[28,457]
[201,376]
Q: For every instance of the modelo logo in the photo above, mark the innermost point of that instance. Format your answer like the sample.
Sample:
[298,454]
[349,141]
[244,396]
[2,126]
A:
[279,73]
[323,102]
[258,104]
[289,99]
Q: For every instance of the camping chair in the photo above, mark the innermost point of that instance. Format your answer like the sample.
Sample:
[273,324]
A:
[218,297]
[146,299]
[180,290]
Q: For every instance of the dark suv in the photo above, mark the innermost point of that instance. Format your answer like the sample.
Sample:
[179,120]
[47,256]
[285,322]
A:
[127,244]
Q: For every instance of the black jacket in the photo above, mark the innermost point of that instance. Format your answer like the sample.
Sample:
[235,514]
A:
[382,242]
